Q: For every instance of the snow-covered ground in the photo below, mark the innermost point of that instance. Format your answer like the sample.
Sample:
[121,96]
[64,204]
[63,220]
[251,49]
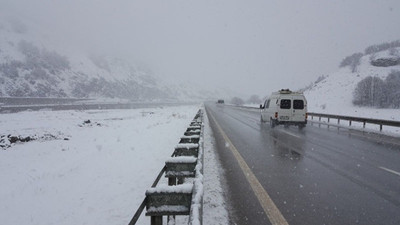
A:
[96,172]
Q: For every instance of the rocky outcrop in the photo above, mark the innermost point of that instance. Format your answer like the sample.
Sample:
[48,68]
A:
[385,62]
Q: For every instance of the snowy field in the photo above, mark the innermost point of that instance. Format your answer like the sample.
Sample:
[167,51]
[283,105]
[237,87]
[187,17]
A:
[96,172]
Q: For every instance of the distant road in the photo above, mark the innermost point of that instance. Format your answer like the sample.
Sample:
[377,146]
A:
[39,101]
[310,176]
[11,105]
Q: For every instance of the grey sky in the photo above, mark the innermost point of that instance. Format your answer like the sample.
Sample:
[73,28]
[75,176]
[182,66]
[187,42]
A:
[252,46]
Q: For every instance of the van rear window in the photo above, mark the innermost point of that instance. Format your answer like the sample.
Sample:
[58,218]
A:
[298,104]
[285,103]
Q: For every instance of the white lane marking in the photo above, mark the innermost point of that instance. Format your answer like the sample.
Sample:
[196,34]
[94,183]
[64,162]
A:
[286,132]
[389,170]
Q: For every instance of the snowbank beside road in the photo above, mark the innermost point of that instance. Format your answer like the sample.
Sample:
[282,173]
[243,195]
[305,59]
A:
[97,175]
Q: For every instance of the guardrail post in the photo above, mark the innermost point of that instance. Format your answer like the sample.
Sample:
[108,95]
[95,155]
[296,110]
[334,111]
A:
[380,127]
[171,181]
[156,220]
[364,124]
[349,123]
[319,124]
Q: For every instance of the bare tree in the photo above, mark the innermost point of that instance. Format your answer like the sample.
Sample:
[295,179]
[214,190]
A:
[353,61]
[254,99]
[370,92]
[237,101]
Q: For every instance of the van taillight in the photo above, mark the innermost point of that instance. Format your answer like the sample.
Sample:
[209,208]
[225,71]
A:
[306,116]
[276,115]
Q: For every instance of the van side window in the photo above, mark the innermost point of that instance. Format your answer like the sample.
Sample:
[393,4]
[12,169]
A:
[267,103]
[286,103]
[298,104]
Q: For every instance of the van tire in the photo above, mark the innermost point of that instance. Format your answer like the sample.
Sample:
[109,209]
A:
[301,126]
[272,123]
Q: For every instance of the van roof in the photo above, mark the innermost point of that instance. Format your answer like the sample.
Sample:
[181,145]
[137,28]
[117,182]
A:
[286,91]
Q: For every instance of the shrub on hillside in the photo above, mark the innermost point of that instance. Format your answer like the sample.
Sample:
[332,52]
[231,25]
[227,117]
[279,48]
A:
[320,78]
[254,99]
[237,101]
[382,47]
[370,92]
[353,61]
[375,92]
[393,89]
[394,52]
[10,69]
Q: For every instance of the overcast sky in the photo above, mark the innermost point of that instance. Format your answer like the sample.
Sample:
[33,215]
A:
[253,47]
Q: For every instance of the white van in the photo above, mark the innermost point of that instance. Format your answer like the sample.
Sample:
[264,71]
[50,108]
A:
[285,107]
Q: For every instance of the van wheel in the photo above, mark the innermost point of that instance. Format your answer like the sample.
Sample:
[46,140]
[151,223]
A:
[286,126]
[301,126]
[272,123]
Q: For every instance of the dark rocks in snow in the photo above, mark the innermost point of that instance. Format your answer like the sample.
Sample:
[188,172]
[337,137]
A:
[49,137]
[26,139]
[385,62]
[88,123]
[13,139]
[6,141]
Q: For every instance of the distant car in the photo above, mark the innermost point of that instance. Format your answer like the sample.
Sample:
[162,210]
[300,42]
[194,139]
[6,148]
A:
[285,107]
[220,101]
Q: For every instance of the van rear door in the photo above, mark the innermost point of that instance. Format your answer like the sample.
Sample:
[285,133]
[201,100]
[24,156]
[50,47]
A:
[299,109]
[285,108]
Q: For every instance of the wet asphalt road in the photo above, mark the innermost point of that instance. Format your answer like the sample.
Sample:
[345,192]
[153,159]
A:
[313,176]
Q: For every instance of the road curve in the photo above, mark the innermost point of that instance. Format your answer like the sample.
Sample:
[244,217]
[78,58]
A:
[312,176]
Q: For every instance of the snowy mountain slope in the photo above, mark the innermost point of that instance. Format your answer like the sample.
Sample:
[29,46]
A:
[32,64]
[334,94]
[29,69]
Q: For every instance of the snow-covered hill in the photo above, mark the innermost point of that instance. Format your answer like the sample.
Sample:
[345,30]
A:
[33,64]
[334,94]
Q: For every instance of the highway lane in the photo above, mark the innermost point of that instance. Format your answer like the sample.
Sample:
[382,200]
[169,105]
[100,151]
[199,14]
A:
[313,176]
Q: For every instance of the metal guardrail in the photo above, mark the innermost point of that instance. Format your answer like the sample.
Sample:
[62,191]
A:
[196,205]
[351,119]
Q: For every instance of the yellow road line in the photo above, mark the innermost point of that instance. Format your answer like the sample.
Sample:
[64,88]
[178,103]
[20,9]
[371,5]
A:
[270,209]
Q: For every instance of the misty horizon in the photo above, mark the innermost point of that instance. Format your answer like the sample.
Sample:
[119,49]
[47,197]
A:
[248,47]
